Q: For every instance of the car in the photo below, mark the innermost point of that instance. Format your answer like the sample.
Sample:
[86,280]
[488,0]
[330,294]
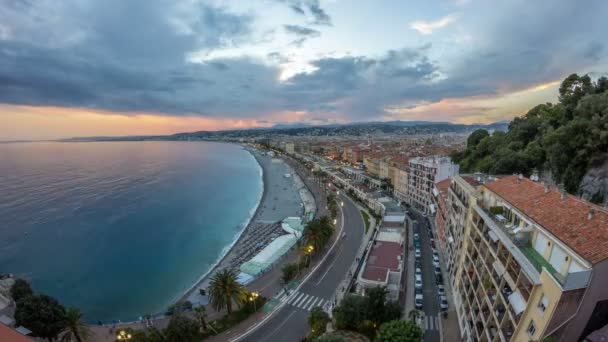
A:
[418,281]
[418,264]
[418,270]
[418,254]
[417,243]
[438,279]
[418,301]
[435,264]
[443,303]
[417,291]
[433,243]
[440,290]
[416,237]
[437,270]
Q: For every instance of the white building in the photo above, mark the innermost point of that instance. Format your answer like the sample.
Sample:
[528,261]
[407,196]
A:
[423,173]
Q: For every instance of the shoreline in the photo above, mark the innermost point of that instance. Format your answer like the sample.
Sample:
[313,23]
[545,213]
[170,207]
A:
[239,237]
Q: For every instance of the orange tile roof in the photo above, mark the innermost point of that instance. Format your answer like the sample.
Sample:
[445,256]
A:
[567,219]
[8,334]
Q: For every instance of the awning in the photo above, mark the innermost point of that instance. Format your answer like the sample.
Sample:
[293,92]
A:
[493,236]
[517,230]
[517,302]
[500,269]
[501,218]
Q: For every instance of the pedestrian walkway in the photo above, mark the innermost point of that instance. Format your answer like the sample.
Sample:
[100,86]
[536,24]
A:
[304,301]
[429,322]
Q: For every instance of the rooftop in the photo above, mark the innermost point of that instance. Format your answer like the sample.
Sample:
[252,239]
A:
[8,334]
[568,219]
[383,257]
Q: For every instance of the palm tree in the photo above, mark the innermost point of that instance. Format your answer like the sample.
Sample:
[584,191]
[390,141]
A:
[75,328]
[201,314]
[316,234]
[225,289]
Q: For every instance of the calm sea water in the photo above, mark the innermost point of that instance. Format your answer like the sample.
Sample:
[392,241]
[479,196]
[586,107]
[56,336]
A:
[120,229]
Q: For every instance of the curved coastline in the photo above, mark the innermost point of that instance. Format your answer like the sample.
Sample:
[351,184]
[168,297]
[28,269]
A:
[237,237]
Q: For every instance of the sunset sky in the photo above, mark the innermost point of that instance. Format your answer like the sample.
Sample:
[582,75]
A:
[116,67]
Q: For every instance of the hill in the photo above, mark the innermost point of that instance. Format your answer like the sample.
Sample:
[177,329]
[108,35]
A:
[566,142]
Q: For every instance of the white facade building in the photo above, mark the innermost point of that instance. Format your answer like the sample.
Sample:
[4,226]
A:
[423,173]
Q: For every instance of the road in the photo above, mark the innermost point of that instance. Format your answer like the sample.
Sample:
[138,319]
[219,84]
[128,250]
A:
[290,323]
[431,301]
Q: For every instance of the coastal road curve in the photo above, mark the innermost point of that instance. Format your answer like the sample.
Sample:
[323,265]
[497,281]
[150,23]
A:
[290,323]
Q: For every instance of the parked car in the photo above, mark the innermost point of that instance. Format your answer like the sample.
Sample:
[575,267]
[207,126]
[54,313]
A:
[418,301]
[440,290]
[416,237]
[433,243]
[438,279]
[418,254]
[417,243]
[418,281]
[435,264]
[418,263]
[443,303]
[437,270]
[417,291]
[418,270]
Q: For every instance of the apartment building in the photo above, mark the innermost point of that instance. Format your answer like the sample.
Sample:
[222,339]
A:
[526,262]
[423,173]
[401,184]
[440,196]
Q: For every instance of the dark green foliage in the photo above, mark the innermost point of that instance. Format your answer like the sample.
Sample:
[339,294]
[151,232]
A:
[565,139]
[317,321]
[350,313]
[43,315]
[317,233]
[20,290]
[329,339]
[289,272]
[405,331]
[182,329]
[496,210]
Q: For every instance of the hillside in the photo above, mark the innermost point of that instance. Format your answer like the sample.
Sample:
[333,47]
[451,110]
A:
[566,142]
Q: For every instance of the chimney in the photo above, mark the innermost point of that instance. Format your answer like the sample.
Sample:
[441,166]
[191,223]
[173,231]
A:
[534,177]
[562,191]
[591,213]
[546,187]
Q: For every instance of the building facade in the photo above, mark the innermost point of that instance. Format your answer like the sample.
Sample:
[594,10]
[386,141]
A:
[526,262]
[423,173]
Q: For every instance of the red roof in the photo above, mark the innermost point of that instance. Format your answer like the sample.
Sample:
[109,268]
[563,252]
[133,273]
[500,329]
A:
[471,180]
[393,224]
[383,257]
[7,334]
[567,219]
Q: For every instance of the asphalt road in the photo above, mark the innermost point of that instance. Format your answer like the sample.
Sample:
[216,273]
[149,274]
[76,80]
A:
[290,323]
[430,305]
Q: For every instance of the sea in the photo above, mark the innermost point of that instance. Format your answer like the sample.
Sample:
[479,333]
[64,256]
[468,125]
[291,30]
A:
[121,229]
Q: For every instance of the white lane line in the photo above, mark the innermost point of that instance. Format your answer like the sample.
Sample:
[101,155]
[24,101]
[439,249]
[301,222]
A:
[431,327]
[305,302]
[332,264]
[296,303]
[294,297]
[280,325]
[318,302]
[312,304]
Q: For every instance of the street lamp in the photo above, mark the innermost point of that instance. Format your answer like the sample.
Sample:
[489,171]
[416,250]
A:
[123,336]
[335,221]
[309,251]
[252,298]
[341,204]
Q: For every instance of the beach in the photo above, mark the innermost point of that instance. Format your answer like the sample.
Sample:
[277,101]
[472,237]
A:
[282,197]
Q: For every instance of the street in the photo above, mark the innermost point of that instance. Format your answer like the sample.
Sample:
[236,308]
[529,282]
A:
[290,323]
[432,315]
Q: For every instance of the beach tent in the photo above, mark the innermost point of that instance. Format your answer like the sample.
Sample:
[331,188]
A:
[244,278]
[293,225]
[269,255]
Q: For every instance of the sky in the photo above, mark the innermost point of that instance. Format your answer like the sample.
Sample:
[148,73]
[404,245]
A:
[132,67]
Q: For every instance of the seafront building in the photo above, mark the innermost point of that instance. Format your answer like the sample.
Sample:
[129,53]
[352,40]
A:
[423,173]
[525,261]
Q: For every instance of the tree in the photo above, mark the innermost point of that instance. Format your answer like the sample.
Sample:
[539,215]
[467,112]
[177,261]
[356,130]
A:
[182,329]
[41,314]
[201,313]
[414,315]
[375,304]
[476,137]
[317,321]
[350,313]
[405,331]
[224,290]
[289,272]
[20,290]
[317,232]
[75,328]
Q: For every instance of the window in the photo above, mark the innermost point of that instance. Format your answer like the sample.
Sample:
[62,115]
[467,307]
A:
[543,304]
[531,328]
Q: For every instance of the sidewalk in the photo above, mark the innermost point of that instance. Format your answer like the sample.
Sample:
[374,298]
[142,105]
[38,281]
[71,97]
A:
[410,269]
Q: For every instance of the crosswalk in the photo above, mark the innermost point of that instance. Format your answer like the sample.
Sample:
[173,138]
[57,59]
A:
[429,322]
[303,300]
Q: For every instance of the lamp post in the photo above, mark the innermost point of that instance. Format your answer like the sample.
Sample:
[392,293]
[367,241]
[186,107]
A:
[253,298]
[123,336]
[309,251]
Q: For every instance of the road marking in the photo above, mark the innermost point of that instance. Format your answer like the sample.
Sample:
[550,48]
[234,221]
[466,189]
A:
[332,264]
[314,303]
[282,324]
[295,297]
[303,298]
[305,302]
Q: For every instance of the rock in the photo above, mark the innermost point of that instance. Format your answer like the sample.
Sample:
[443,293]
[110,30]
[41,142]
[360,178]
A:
[594,181]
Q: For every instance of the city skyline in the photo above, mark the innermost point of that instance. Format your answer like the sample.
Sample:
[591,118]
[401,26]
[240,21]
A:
[156,67]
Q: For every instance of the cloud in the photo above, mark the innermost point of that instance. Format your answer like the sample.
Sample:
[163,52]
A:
[302,33]
[312,8]
[427,27]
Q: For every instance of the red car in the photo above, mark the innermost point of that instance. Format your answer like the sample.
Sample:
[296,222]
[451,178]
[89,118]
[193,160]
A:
[433,243]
